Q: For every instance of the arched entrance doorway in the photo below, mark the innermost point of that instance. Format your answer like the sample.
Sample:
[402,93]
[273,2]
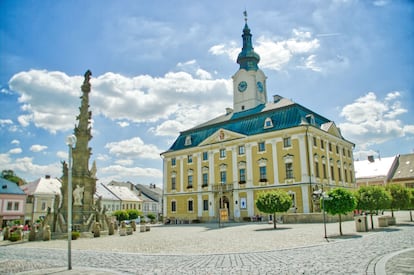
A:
[225,204]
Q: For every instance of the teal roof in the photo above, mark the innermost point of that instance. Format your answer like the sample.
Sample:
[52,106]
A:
[9,187]
[250,122]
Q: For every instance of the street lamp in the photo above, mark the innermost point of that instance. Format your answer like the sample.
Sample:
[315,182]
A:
[71,142]
[318,194]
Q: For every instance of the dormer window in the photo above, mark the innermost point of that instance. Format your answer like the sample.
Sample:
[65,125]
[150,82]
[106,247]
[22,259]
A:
[187,140]
[310,119]
[268,123]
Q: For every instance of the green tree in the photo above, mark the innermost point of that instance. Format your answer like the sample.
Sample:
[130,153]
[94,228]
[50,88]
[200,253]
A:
[133,214]
[273,201]
[121,215]
[152,217]
[411,203]
[11,176]
[372,199]
[341,201]
[400,197]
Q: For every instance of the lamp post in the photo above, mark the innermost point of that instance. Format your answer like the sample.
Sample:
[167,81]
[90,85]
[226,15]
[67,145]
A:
[71,142]
[318,194]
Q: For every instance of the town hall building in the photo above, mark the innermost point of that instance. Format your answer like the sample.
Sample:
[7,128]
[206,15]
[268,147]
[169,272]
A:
[257,146]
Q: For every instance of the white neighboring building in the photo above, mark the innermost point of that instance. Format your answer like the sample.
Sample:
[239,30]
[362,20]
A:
[43,195]
[373,171]
[129,200]
[109,201]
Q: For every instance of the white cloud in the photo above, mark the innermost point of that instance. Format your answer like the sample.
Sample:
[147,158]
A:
[372,121]
[133,148]
[26,169]
[50,100]
[38,148]
[124,162]
[4,122]
[15,141]
[123,124]
[15,151]
[275,55]
[63,155]
[120,172]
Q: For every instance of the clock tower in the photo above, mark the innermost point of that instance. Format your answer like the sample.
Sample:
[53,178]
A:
[249,82]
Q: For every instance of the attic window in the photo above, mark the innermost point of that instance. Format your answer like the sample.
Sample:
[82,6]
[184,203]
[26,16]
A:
[187,140]
[310,119]
[268,123]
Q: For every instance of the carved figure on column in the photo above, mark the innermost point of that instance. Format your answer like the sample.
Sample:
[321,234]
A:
[78,195]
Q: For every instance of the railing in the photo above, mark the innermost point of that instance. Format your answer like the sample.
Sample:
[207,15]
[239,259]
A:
[222,187]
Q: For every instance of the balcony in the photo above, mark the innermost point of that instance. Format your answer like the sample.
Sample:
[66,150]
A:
[222,187]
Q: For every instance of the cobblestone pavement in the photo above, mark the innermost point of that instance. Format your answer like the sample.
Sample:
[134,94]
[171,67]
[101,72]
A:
[235,249]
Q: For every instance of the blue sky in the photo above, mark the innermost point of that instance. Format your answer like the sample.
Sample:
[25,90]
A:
[160,67]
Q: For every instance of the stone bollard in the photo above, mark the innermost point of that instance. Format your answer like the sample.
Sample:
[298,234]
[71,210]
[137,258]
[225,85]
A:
[111,229]
[122,229]
[97,229]
[46,233]
[134,225]
[6,233]
[32,234]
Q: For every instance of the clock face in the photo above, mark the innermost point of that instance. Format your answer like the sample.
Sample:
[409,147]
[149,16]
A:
[260,86]
[242,86]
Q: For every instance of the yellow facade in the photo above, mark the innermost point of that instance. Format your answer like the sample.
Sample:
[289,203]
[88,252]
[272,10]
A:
[310,149]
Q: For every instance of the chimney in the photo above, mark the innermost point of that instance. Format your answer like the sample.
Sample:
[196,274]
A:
[229,110]
[47,177]
[371,158]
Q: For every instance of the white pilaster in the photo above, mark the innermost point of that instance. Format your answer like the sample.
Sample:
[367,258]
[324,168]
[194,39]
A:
[305,198]
[275,162]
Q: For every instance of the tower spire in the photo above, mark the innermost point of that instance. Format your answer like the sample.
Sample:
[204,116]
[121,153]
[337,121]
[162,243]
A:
[248,58]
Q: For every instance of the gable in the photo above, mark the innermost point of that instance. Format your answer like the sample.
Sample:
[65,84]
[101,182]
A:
[221,135]
[331,128]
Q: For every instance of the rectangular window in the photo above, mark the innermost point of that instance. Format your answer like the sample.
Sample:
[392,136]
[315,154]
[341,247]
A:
[190,158]
[263,176]
[322,144]
[190,206]
[332,173]
[222,153]
[205,205]
[173,183]
[173,162]
[9,206]
[289,170]
[205,155]
[190,181]
[242,175]
[205,179]
[324,170]
[337,149]
[330,147]
[315,141]
[242,150]
[287,142]
[43,205]
[339,174]
[346,175]
[173,206]
[223,177]
[317,169]
[262,147]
